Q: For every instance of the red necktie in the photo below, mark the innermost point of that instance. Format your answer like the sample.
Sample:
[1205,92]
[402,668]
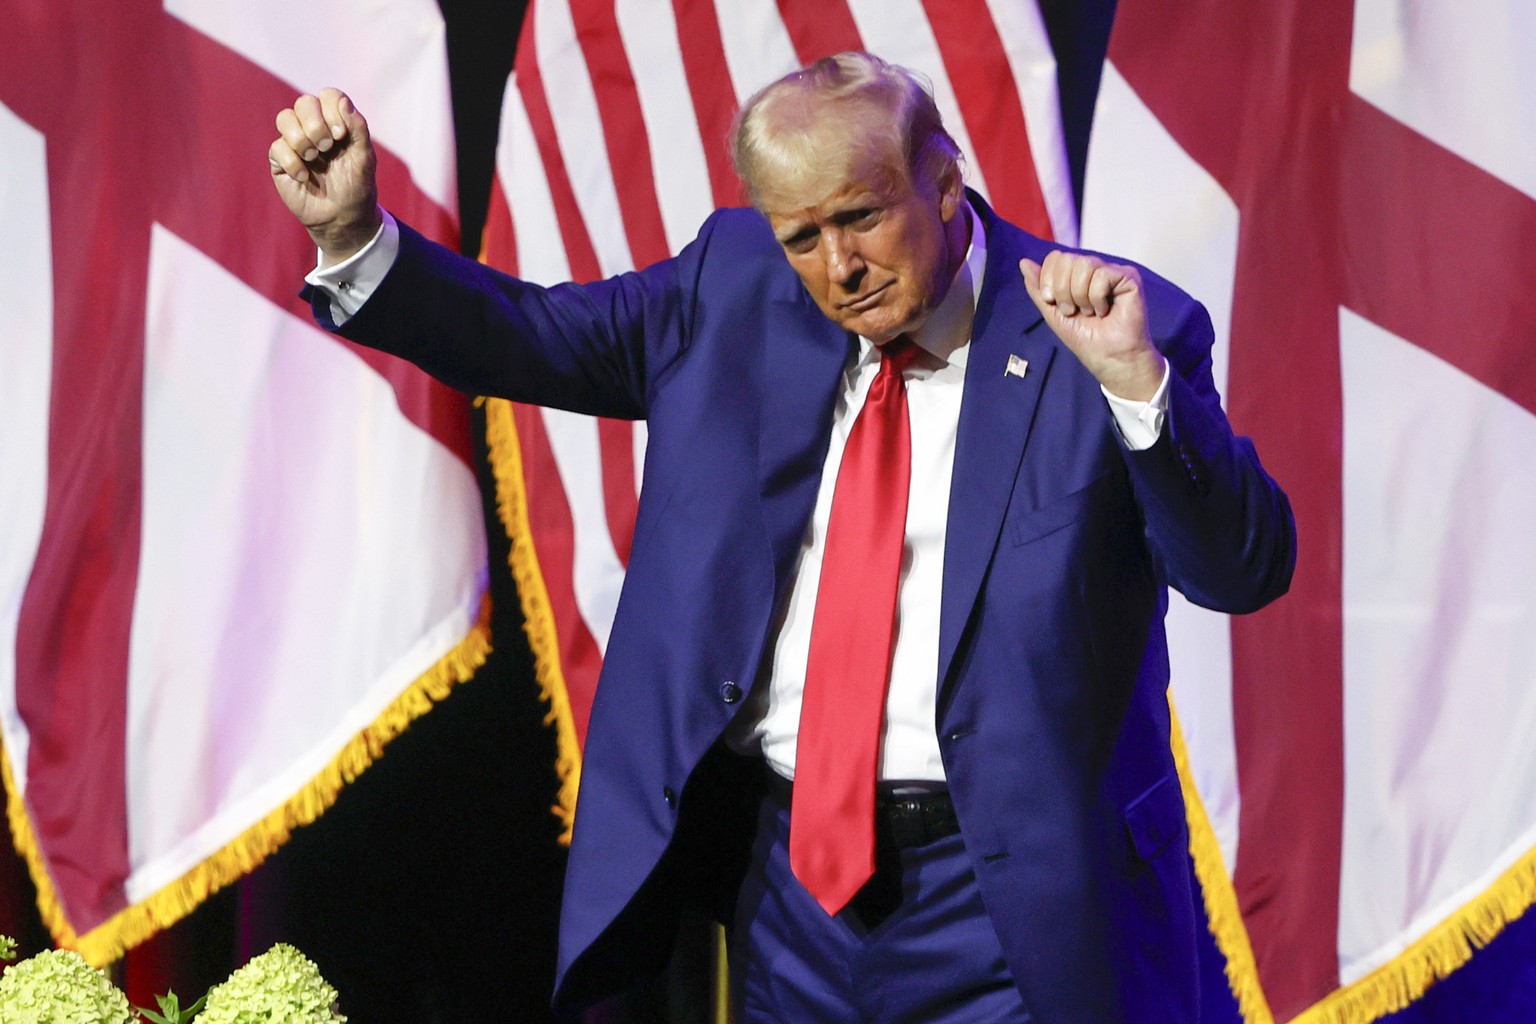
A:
[832,814]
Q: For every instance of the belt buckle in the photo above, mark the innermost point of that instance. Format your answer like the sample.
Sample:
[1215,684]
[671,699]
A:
[917,820]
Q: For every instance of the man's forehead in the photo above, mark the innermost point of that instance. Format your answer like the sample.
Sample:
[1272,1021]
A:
[850,196]
[859,186]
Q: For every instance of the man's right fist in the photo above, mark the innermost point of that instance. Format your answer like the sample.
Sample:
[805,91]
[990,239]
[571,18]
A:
[323,166]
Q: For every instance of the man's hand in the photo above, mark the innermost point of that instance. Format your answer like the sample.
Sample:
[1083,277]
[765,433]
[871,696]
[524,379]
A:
[1098,311]
[323,166]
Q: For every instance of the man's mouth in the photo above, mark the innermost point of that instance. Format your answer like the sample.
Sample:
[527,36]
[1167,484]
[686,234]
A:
[867,300]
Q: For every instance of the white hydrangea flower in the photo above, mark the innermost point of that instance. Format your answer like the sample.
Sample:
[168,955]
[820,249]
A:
[59,987]
[281,986]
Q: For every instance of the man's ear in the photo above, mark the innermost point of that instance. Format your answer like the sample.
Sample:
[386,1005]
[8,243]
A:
[951,190]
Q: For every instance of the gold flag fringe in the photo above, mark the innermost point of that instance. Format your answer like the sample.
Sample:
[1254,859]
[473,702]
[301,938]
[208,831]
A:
[1221,909]
[506,457]
[126,929]
[1388,989]
[1447,946]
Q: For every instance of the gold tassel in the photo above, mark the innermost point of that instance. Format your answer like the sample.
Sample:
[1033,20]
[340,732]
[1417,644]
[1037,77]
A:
[506,457]
[25,840]
[1446,947]
[126,929]
[1221,909]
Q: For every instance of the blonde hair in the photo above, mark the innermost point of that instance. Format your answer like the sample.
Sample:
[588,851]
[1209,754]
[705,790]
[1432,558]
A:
[800,138]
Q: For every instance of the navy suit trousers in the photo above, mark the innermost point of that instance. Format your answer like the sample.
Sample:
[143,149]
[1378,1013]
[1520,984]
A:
[914,947]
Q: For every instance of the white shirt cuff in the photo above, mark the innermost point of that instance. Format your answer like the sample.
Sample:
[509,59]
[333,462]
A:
[349,284]
[1141,423]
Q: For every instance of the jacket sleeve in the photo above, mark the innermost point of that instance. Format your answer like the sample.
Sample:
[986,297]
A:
[1220,529]
[596,348]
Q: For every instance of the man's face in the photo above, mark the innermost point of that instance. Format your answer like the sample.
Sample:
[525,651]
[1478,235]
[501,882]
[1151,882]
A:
[878,253]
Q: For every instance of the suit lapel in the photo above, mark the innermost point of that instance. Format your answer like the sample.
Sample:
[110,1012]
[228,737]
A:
[996,419]
[803,358]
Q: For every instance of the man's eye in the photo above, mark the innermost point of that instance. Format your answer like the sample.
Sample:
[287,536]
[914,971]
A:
[804,241]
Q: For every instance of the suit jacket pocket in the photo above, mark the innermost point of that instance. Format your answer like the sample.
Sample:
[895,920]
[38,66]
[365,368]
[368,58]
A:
[1156,817]
[1061,512]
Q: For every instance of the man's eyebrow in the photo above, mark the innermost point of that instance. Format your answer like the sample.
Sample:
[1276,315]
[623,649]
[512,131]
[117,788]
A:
[792,230]
[837,212]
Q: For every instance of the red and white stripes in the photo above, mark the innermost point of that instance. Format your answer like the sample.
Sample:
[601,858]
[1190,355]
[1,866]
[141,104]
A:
[613,151]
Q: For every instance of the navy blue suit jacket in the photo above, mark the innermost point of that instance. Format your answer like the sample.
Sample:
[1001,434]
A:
[1052,717]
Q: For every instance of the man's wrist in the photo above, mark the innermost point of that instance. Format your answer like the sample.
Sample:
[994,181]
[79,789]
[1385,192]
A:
[338,243]
[1139,380]
[350,283]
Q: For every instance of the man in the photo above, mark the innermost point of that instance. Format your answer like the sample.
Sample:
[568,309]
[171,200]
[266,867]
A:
[893,442]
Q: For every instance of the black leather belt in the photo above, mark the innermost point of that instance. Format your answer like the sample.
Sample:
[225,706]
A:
[916,819]
[905,821]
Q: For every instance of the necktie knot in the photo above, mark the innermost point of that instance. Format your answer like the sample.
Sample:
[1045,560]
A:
[898,354]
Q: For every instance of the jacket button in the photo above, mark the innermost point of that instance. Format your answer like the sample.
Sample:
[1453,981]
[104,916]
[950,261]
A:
[730,692]
[669,796]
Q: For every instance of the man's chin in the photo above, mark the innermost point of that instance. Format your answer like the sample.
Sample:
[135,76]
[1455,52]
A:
[878,326]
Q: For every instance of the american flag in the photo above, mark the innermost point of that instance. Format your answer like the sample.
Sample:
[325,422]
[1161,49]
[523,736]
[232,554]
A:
[612,154]
[237,555]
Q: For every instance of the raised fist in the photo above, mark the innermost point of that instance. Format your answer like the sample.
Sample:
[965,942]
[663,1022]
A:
[323,166]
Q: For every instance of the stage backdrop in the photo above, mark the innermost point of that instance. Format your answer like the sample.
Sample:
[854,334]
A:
[1348,188]
[199,512]
[237,555]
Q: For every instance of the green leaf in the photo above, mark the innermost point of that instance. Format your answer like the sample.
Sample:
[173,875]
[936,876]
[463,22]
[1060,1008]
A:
[171,1011]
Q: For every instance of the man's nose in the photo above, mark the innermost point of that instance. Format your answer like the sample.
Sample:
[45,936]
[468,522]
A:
[844,264]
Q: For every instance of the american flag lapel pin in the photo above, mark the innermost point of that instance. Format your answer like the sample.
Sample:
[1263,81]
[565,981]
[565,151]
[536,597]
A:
[1016,367]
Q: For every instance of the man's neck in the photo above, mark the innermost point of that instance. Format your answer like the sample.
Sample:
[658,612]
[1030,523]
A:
[948,327]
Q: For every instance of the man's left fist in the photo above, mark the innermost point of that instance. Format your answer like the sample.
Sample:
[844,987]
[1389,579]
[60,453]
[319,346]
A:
[1098,311]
